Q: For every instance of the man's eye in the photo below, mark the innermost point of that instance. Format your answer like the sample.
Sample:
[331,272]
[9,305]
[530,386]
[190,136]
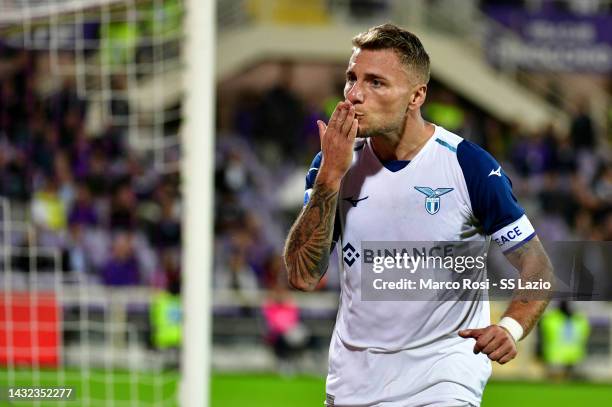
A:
[376,83]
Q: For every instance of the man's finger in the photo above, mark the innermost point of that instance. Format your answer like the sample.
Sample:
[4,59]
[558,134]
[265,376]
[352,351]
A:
[483,340]
[353,132]
[471,333]
[342,118]
[322,127]
[348,121]
[500,352]
[507,358]
[338,117]
[333,120]
[493,345]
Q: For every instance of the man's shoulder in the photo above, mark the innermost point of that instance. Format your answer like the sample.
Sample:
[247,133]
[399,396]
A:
[462,147]
[473,157]
[446,140]
[476,163]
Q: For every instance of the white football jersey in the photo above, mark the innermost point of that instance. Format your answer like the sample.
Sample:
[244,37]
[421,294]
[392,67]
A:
[405,353]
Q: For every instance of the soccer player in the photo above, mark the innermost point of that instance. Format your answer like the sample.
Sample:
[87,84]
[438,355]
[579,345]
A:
[385,174]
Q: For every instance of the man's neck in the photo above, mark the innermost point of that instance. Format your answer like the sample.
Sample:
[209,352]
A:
[407,146]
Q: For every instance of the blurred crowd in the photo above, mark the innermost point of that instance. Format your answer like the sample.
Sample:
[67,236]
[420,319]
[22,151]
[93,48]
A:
[115,219]
[562,177]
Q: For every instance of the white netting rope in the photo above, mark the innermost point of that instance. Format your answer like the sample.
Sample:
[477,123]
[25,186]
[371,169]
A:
[124,61]
[124,57]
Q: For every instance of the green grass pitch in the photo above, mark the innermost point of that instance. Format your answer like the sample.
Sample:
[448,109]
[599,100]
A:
[272,391]
[261,390]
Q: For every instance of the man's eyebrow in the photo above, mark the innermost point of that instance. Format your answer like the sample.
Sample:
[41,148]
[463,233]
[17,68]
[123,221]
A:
[366,75]
[374,76]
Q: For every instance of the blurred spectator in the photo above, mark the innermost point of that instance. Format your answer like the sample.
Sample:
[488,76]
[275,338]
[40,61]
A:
[232,175]
[534,154]
[67,109]
[166,231]
[76,253]
[122,267]
[97,177]
[554,200]
[48,210]
[236,274]
[565,157]
[43,148]
[582,132]
[80,155]
[602,186]
[65,180]
[245,115]
[280,113]
[166,320]
[15,180]
[123,209]
[83,211]
[168,275]
[564,335]
[284,331]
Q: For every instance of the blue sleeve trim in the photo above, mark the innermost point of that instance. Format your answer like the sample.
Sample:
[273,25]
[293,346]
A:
[516,246]
[490,190]
[313,170]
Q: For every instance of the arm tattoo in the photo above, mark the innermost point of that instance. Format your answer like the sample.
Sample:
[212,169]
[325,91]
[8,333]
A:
[307,246]
[533,264]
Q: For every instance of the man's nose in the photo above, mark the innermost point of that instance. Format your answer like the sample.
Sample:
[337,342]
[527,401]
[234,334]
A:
[355,94]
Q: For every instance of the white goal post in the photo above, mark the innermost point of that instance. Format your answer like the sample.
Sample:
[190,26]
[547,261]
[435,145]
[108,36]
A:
[198,192]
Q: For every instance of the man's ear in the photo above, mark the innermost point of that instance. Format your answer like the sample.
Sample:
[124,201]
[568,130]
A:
[417,97]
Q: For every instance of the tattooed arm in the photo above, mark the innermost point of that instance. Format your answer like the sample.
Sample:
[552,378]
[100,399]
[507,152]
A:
[307,246]
[533,264]
[308,243]
[525,308]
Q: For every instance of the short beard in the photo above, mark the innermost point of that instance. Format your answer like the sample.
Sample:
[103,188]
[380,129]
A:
[390,132]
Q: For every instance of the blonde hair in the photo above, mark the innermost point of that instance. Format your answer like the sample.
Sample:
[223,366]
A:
[407,46]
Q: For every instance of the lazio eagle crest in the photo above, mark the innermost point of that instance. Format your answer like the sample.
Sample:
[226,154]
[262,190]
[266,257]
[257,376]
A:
[432,198]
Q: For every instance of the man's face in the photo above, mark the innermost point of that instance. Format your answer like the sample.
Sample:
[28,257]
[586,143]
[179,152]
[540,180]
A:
[380,87]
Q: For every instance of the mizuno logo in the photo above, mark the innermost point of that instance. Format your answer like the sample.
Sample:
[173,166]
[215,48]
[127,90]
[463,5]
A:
[432,198]
[354,202]
[496,172]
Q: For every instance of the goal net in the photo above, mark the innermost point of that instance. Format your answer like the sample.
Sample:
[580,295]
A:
[90,110]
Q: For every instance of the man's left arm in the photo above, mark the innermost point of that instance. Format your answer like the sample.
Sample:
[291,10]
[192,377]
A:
[498,341]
